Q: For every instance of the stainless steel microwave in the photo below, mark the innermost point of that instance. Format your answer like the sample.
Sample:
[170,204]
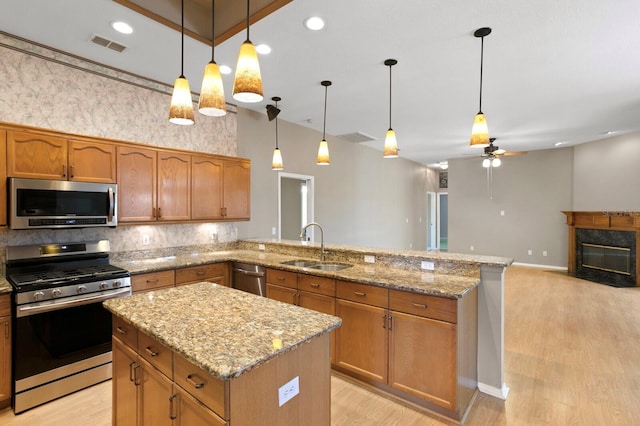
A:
[40,204]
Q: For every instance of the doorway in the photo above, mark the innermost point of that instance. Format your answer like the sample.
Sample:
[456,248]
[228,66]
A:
[443,221]
[295,205]
[437,221]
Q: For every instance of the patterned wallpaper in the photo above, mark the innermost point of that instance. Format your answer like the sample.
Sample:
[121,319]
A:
[46,88]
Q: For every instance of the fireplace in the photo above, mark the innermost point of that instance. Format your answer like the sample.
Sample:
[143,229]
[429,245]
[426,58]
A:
[603,247]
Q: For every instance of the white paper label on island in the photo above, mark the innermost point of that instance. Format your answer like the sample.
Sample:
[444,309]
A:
[288,391]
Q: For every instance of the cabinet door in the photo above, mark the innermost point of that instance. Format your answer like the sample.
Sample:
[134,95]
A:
[206,188]
[92,162]
[136,184]
[236,192]
[156,399]
[174,186]
[191,412]
[124,388]
[361,341]
[3,178]
[283,294]
[320,303]
[422,358]
[34,156]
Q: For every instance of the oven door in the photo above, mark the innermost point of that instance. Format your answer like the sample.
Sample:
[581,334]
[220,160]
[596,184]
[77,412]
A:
[60,349]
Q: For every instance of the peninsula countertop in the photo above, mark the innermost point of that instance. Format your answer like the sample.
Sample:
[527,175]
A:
[221,330]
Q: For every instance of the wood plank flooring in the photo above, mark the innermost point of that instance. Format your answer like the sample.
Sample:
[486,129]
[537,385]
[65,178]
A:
[572,357]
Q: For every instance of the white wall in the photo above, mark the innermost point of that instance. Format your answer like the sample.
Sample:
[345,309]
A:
[360,198]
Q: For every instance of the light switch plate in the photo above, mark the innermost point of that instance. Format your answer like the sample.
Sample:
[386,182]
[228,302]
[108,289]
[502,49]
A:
[428,266]
[261,247]
[288,391]
[369,259]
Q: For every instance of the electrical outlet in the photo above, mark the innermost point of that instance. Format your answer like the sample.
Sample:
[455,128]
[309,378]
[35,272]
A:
[428,266]
[529,252]
[544,253]
[214,236]
[288,391]
[145,240]
[273,230]
[369,259]
[261,247]
[471,248]
[501,212]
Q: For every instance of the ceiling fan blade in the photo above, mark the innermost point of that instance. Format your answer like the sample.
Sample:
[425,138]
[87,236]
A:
[513,154]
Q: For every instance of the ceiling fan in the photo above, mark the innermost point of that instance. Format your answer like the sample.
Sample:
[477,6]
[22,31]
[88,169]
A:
[492,154]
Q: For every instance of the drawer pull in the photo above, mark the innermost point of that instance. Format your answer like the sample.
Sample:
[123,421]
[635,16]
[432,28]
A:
[153,281]
[419,305]
[200,273]
[150,351]
[280,278]
[314,285]
[121,330]
[360,293]
[197,385]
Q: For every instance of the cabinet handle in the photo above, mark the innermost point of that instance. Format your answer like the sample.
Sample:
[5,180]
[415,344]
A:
[390,322]
[171,398]
[153,212]
[150,351]
[136,379]
[159,212]
[121,330]
[280,278]
[132,377]
[197,385]
[6,330]
[155,280]
[359,293]
[200,273]
[314,285]
[418,305]
[64,170]
[71,171]
[384,321]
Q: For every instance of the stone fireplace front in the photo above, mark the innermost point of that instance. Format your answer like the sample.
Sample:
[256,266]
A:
[603,247]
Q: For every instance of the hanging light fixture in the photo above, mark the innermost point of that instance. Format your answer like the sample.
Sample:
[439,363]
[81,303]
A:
[480,131]
[247,86]
[272,113]
[323,149]
[181,111]
[390,142]
[212,101]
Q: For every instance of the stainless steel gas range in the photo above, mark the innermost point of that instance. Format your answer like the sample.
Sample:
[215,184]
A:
[61,332]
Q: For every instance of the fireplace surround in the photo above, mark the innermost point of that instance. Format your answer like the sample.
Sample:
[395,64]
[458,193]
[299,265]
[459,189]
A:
[603,247]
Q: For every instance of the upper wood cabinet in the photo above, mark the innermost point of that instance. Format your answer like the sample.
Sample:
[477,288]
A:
[236,189]
[153,185]
[206,187]
[3,178]
[35,156]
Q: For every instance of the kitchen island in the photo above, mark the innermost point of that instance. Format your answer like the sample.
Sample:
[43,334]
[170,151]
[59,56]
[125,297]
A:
[223,354]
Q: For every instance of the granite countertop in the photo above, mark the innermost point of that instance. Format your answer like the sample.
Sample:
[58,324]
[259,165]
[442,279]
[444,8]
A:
[427,282]
[225,332]
[5,287]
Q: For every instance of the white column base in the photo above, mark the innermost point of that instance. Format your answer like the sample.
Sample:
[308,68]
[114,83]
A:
[493,391]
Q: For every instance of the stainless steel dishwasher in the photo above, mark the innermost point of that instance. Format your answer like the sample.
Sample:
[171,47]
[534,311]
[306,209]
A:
[250,278]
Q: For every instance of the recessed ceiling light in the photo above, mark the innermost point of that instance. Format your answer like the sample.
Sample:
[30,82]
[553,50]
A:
[314,23]
[559,143]
[263,49]
[610,132]
[122,27]
[225,69]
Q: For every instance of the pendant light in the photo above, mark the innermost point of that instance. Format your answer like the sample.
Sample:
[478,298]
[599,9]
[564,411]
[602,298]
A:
[212,101]
[323,149]
[480,131]
[390,142]
[272,113]
[181,111]
[247,85]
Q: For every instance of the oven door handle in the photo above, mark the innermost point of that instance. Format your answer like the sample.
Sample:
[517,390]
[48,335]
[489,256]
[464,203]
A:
[23,311]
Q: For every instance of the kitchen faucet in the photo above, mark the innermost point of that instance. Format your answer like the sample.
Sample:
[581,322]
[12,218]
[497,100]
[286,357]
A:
[303,235]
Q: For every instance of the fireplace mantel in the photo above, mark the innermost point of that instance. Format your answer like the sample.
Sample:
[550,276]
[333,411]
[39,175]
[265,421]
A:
[607,220]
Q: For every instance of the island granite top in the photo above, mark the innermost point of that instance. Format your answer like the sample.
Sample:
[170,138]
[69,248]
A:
[225,332]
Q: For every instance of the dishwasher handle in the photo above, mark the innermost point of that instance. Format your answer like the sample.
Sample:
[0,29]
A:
[249,273]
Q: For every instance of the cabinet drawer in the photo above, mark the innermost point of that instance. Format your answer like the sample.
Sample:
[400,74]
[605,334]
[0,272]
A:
[5,305]
[283,278]
[363,293]
[201,385]
[423,305]
[152,281]
[320,285]
[156,353]
[125,332]
[199,273]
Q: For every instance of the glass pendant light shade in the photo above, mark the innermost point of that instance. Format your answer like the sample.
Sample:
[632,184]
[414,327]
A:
[181,110]
[276,162]
[212,101]
[390,145]
[496,162]
[479,132]
[486,163]
[323,154]
[247,86]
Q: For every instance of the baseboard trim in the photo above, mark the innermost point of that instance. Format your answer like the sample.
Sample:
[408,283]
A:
[493,391]
[535,265]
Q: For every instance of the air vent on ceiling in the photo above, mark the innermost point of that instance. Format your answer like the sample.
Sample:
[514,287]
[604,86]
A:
[109,44]
[357,137]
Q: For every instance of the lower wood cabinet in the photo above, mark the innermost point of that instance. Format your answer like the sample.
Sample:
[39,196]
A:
[213,272]
[5,350]
[152,281]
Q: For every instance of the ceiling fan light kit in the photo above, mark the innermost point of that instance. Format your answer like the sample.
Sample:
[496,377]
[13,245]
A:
[480,130]
[181,109]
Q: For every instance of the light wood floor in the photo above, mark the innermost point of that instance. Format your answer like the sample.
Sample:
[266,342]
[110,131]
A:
[572,357]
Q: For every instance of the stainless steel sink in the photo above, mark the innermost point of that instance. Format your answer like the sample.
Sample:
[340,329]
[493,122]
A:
[330,266]
[300,263]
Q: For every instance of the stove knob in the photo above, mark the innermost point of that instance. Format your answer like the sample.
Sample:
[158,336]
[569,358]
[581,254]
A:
[104,285]
[81,289]
[117,284]
[56,292]
[38,295]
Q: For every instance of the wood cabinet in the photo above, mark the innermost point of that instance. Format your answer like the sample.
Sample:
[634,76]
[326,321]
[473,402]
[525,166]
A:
[5,350]
[38,156]
[3,178]
[152,281]
[153,185]
[236,190]
[213,272]
[124,408]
